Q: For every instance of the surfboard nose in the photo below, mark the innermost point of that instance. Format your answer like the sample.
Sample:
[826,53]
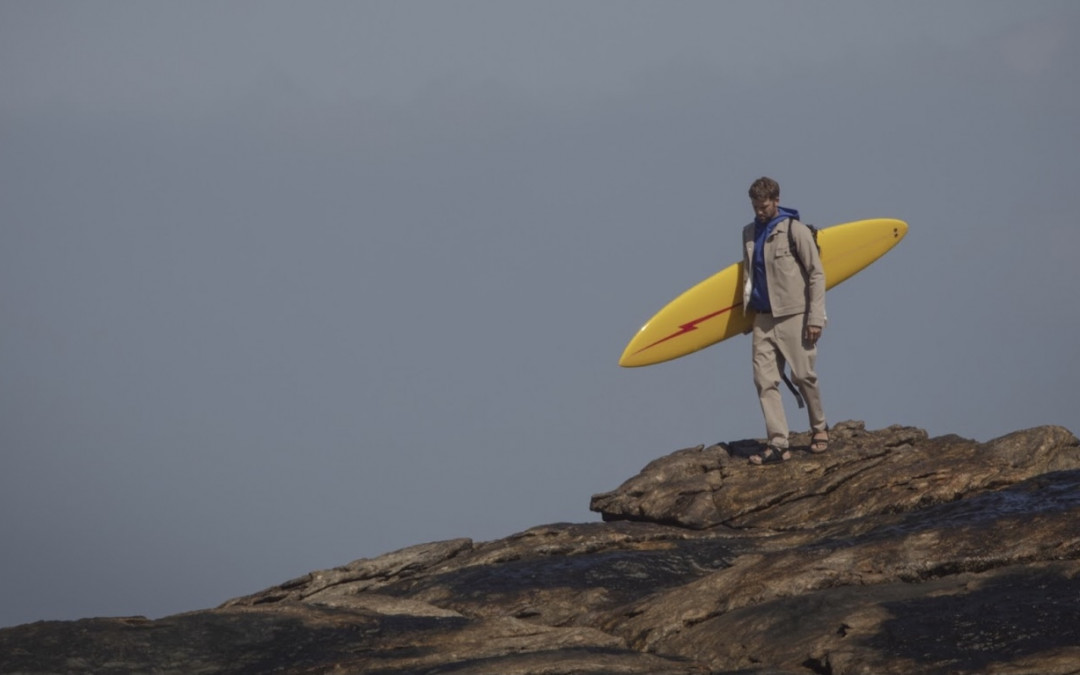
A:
[631,356]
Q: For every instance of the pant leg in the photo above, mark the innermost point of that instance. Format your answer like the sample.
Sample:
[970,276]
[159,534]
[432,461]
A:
[801,355]
[768,362]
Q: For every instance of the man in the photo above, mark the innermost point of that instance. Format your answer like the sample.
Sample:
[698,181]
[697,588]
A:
[784,285]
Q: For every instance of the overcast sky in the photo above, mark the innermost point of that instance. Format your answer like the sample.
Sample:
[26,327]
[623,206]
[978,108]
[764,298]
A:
[283,285]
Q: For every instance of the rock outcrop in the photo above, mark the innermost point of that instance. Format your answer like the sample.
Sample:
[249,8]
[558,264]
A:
[891,553]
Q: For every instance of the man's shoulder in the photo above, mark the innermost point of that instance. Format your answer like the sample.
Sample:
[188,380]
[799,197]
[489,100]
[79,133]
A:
[800,228]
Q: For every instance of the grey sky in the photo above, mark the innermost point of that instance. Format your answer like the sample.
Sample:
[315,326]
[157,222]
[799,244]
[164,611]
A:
[283,285]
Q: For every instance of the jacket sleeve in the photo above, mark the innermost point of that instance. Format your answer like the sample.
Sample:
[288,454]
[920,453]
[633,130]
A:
[807,251]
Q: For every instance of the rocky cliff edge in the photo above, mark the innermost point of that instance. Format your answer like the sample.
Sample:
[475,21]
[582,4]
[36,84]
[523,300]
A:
[892,553]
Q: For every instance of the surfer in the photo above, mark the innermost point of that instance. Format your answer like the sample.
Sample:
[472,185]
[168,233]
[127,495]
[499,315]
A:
[784,285]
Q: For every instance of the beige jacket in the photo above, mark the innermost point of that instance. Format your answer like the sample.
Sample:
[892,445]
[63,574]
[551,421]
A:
[791,289]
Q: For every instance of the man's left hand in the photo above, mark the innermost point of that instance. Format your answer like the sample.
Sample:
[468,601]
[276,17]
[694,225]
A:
[813,334]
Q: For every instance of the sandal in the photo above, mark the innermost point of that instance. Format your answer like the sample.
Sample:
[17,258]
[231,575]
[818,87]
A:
[771,455]
[818,444]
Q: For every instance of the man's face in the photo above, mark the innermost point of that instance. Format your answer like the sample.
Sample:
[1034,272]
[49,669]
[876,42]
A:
[765,209]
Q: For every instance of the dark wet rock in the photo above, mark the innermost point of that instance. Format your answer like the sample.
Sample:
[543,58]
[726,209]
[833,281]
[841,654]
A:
[892,553]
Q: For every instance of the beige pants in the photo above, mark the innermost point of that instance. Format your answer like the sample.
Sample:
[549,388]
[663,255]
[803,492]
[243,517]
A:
[776,341]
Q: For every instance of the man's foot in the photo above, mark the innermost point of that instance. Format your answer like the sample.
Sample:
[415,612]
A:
[820,442]
[770,455]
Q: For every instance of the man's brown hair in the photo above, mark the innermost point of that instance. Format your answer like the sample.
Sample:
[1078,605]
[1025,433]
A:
[764,188]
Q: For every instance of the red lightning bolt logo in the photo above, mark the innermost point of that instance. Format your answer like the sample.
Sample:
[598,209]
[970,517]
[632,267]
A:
[689,327]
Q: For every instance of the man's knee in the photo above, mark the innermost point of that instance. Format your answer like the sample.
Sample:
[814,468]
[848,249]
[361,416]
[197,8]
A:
[802,380]
[765,383]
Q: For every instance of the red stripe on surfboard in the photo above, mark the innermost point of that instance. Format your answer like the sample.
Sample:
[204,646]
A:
[689,327]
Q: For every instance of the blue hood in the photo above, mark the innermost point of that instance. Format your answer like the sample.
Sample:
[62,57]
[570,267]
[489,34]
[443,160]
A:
[789,213]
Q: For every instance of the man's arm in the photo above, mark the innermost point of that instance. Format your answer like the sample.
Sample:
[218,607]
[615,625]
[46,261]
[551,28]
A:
[807,250]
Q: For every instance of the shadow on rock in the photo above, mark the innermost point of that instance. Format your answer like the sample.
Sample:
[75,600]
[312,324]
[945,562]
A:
[1005,619]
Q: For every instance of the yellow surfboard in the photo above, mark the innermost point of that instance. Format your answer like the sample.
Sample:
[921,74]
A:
[712,310]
